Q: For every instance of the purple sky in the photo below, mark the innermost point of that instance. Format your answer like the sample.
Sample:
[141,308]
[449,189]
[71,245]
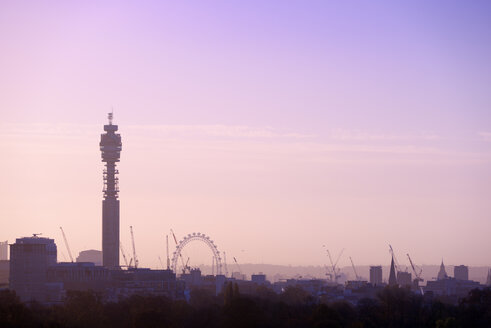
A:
[273,126]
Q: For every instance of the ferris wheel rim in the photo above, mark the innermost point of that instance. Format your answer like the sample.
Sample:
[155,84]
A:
[196,237]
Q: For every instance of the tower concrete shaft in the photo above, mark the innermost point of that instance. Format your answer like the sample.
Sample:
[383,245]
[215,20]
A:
[110,150]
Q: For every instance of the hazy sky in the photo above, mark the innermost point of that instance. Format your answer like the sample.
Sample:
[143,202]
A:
[275,127]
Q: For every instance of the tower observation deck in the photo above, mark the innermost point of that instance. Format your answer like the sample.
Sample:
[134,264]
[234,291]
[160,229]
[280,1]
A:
[110,150]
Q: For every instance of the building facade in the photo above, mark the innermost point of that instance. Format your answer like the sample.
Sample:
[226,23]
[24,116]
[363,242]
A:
[91,255]
[376,275]
[4,246]
[461,272]
[404,279]
[30,258]
[79,276]
[4,273]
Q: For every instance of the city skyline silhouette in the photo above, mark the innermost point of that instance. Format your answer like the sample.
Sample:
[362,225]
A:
[273,131]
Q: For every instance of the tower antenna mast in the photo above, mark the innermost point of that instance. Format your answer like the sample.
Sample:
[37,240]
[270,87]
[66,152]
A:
[110,147]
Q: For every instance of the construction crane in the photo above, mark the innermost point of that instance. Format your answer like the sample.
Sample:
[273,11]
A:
[328,272]
[162,264]
[186,267]
[335,270]
[358,278]
[167,244]
[416,273]
[124,254]
[339,256]
[225,263]
[180,254]
[135,259]
[238,266]
[328,269]
[66,244]
[173,235]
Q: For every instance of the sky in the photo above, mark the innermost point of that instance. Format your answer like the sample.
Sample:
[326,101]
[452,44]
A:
[278,128]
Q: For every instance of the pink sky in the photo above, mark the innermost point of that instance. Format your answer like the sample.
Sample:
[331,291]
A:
[275,128]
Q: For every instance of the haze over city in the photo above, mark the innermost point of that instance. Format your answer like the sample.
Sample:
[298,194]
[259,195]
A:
[273,127]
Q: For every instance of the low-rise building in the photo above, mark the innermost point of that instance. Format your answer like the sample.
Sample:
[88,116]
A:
[4,273]
[79,276]
[144,281]
[90,255]
[461,272]
[259,278]
[450,287]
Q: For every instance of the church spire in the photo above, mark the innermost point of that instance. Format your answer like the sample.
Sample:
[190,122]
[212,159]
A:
[392,274]
[442,274]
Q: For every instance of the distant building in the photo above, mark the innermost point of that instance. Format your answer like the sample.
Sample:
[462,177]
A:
[314,287]
[79,276]
[143,281]
[376,275]
[356,290]
[238,276]
[4,272]
[4,246]
[259,279]
[461,272]
[451,287]
[442,274]
[220,280]
[488,281]
[30,258]
[193,278]
[404,278]
[35,275]
[392,274]
[113,285]
[92,255]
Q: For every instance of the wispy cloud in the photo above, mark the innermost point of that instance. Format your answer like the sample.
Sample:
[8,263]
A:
[227,131]
[48,130]
[486,136]
[357,135]
[173,131]
[263,142]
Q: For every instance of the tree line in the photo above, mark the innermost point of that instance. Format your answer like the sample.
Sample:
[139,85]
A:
[393,307]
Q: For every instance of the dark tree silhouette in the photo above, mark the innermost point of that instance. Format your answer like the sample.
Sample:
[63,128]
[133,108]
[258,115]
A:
[13,313]
[394,307]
